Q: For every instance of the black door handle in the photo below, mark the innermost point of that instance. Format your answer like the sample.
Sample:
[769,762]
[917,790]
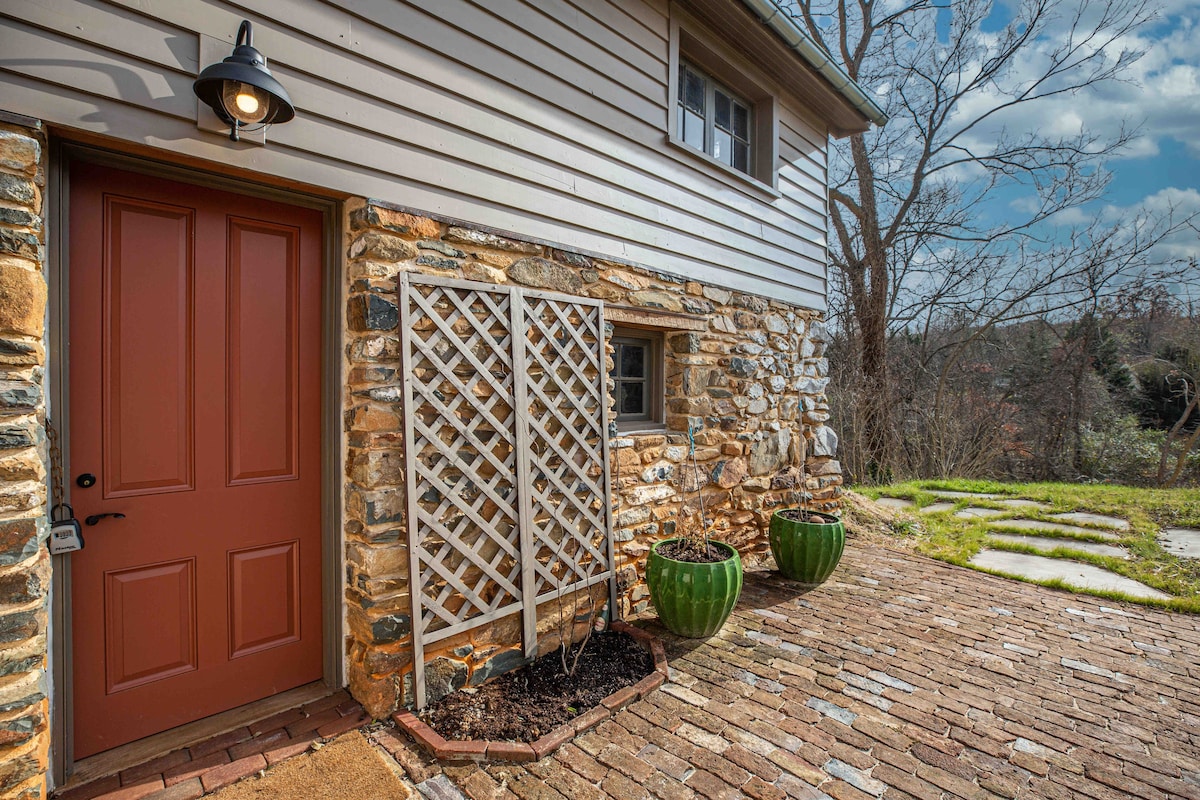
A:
[94,519]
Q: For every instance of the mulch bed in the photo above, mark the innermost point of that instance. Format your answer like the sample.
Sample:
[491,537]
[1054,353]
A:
[528,703]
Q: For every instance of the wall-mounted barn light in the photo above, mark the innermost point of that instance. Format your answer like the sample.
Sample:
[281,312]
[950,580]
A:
[241,89]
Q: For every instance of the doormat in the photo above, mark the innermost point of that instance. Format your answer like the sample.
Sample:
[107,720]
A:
[347,767]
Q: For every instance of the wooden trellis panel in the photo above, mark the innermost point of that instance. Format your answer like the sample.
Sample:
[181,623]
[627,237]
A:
[506,454]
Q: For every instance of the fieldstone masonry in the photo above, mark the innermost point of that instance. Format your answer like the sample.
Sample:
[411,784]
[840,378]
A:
[741,373]
[24,559]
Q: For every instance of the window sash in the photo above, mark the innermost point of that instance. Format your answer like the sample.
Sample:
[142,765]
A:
[647,381]
[720,125]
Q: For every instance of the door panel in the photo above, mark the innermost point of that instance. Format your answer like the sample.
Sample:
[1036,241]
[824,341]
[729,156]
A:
[147,328]
[263,351]
[195,394]
[264,610]
[150,623]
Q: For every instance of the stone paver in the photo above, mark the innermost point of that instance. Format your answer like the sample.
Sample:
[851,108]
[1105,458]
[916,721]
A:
[1073,573]
[975,512]
[1182,542]
[899,677]
[1047,543]
[1041,525]
[1018,502]
[895,502]
[901,504]
[1085,518]
[979,495]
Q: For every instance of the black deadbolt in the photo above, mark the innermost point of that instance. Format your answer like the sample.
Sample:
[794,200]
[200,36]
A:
[86,481]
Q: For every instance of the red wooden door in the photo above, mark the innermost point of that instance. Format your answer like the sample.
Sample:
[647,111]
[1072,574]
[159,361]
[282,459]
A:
[195,400]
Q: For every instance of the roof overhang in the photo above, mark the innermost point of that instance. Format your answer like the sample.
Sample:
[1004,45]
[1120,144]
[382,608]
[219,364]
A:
[762,29]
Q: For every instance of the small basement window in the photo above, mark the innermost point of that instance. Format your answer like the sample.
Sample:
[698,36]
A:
[637,379]
[713,119]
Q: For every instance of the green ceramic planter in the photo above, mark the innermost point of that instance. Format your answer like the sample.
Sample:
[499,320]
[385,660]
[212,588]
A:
[807,551]
[693,600]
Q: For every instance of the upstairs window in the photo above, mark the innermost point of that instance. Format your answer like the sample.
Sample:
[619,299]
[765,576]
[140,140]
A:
[712,119]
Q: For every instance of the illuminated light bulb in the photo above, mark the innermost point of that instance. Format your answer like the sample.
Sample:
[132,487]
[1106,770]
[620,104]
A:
[245,102]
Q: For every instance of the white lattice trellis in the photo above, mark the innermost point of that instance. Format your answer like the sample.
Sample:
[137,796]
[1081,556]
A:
[506,454]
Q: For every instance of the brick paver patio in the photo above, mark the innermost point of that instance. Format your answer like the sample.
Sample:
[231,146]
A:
[900,677]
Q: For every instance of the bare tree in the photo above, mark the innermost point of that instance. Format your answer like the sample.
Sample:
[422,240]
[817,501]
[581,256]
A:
[911,245]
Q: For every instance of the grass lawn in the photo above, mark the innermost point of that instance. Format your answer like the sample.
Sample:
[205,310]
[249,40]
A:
[943,536]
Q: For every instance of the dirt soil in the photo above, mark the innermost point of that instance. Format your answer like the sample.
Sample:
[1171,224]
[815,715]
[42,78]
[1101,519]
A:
[528,703]
[348,767]
[867,520]
[800,515]
[681,550]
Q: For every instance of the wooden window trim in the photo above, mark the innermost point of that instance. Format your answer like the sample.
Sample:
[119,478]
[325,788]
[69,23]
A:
[692,42]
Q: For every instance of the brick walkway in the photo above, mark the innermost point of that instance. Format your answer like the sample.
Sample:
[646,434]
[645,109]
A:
[206,767]
[901,677]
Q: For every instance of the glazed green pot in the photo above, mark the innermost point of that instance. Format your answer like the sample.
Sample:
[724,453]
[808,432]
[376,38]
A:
[693,600]
[807,551]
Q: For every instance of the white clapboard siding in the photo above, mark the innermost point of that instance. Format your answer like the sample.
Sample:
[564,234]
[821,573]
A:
[545,118]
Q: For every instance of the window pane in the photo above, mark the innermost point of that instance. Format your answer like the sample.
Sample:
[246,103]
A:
[632,399]
[693,130]
[633,361]
[693,94]
[741,157]
[741,121]
[722,109]
[722,146]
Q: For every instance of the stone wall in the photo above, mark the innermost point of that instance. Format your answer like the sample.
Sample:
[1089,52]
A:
[741,372]
[24,559]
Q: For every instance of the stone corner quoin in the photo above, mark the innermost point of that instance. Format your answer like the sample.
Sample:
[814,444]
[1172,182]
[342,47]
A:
[740,371]
[24,558]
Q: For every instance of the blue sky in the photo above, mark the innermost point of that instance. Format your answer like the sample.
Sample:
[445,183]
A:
[1160,170]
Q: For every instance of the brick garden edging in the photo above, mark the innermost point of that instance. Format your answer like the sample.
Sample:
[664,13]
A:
[479,750]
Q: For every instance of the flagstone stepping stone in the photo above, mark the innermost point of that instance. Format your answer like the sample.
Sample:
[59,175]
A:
[1084,518]
[934,508]
[895,502]
[978,495]
[1182,542]
[1040,525]
[1047,543]
[974,512]
[1022,503]
[1072,573]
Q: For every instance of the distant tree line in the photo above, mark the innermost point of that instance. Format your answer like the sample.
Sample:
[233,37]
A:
[1106,393]
[975,335]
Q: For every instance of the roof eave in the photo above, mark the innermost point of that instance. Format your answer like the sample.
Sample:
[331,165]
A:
[800,42]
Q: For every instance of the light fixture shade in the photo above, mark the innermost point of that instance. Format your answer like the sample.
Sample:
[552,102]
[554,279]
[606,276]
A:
[228,86]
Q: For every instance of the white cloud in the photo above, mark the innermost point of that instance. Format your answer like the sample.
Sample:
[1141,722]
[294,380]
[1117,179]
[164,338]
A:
[1161,93]
[1172,206]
